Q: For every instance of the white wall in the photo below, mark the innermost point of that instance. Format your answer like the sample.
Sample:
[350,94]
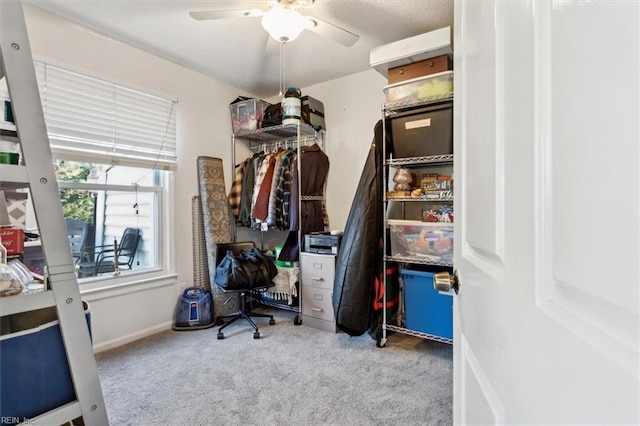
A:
[352,107]
[203,129]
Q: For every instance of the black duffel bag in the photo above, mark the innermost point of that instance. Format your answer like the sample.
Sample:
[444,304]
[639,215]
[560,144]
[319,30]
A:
[246,271]
[272,116]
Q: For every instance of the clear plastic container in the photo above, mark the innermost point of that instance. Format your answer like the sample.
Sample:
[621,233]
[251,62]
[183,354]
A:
[10,283]
[431,241]
[420,88]
[25,275]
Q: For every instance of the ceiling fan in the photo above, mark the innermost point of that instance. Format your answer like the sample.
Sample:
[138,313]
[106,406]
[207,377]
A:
[282,20]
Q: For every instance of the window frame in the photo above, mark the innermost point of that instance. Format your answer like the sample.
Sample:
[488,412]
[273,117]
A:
[164,230]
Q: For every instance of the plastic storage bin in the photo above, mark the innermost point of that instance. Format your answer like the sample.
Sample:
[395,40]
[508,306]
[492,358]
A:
[34,368]
[423,132]
[430,241]
[420,88]
[427,310]
[247,115]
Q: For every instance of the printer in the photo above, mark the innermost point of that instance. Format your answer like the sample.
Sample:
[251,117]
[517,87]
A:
[322,243]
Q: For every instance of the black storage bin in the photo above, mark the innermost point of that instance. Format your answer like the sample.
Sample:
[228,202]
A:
[423,132]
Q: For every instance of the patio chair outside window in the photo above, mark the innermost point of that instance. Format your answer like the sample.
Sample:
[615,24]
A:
[96,260]
[77,231]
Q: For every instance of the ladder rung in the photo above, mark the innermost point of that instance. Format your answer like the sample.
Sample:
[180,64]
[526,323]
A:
[26,302]
[57,416]
[6,131]
[13,176]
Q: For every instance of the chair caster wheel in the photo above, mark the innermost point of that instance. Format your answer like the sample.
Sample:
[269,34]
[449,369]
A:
[297,321]
[256,335]
[220,336]
[272,322]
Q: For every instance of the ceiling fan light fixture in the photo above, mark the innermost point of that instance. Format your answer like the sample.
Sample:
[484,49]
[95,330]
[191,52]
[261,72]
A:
[283,24]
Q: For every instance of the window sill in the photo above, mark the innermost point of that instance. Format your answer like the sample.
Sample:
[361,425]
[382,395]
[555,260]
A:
[102,288]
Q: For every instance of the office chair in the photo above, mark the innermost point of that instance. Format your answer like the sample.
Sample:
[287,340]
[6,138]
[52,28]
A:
[96,260]
[245,311]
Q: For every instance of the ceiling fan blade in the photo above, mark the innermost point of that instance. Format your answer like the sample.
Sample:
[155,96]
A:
[332,32]
[272,47]
[206,15]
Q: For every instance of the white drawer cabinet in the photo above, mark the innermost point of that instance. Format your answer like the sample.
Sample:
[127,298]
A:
[316,303]
[317,273]
[318,270]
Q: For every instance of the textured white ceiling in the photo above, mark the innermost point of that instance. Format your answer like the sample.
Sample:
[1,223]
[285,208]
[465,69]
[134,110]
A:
[233,50]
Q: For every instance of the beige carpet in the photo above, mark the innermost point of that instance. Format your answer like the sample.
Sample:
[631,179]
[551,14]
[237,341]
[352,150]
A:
[293,375]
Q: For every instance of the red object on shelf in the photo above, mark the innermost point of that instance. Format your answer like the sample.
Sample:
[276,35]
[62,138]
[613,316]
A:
[12,240]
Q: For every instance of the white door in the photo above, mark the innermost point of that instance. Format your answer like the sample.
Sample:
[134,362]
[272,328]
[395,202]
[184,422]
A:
[547,175]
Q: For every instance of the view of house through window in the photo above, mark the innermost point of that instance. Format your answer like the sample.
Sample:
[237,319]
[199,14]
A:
[105,205]
[113,148]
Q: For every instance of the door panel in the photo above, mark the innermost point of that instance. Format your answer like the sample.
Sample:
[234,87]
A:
[546,139]
[590,166]
[483,177]
[481,403]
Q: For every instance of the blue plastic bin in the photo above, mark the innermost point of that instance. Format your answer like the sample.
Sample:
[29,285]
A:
[427,310]
[33,364]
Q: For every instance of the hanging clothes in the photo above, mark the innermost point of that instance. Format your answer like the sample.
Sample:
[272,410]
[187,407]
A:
[235,194]
[314,168]
[261,207]
[283,190]
[260,174]
[274,186]
[248,182]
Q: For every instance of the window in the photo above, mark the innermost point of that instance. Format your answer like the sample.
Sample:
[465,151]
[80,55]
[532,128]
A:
[114,149]
[110,199]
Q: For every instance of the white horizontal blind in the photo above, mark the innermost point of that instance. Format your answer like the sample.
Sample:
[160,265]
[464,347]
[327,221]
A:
[97,121]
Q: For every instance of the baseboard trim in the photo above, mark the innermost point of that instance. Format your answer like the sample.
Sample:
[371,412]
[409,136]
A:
[123,340]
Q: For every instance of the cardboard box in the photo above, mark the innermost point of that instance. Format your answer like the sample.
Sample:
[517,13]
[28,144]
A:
[12,240]
[412,49]
[436,182]
[419,69]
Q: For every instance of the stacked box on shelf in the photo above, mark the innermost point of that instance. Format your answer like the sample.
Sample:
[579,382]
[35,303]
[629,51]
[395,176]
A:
[423,132]
[424,241]
[246,115]
[422,68]
[419,88]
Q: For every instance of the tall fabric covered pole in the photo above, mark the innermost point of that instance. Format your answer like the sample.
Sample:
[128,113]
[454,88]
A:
[200,261]
[217,227]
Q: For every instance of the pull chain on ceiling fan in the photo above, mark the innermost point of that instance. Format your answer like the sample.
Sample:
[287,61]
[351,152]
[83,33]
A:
[282,68]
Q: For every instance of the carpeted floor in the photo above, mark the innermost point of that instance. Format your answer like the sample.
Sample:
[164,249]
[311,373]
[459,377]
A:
[293,375]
